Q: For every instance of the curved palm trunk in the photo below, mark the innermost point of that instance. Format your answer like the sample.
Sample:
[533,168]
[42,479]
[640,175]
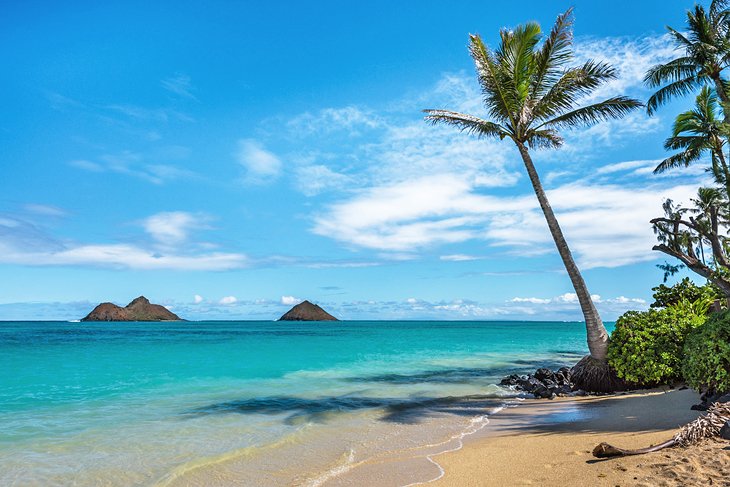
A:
[597,334]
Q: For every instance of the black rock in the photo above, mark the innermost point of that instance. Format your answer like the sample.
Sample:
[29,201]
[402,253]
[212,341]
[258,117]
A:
[725,431]
[699,407]
[544,374]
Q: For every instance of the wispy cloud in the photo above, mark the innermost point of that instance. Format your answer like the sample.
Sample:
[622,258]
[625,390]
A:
[134,164]
[174,227]
[24,242]
[260,165]
[180,85]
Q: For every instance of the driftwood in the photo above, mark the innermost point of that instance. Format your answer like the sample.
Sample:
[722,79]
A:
[705,426]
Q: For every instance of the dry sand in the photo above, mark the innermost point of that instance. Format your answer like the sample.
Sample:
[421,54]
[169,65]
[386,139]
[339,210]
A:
[549,443]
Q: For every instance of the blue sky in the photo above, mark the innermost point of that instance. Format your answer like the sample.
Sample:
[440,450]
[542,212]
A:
[231,158]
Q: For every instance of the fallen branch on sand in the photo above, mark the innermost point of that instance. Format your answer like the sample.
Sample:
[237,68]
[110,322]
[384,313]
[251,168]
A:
[703,427]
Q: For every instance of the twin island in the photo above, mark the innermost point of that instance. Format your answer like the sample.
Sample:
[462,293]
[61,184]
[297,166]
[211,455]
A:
[140,309]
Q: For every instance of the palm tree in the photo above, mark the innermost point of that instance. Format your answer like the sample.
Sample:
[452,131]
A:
[705,54]
[696,132]
[530,93]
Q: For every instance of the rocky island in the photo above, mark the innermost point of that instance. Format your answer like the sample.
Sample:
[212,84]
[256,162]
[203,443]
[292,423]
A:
[306,311]
[140,309]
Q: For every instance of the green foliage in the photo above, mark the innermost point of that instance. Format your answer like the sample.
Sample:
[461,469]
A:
[706,364]
[665,296]
[646,348]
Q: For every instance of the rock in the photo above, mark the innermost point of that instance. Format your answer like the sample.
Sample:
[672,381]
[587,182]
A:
[544,374]
[725,431]
[306,311]
[140,309]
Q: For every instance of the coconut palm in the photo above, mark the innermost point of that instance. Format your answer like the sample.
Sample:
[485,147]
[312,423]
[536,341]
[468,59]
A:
[530,92]
[705,49]
[696,132]
[705,426]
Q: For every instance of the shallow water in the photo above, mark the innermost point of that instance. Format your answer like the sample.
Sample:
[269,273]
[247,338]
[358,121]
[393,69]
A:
[253,403]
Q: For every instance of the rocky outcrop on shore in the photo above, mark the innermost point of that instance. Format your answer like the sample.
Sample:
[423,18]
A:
[544,383]
[306,311]
[140,309]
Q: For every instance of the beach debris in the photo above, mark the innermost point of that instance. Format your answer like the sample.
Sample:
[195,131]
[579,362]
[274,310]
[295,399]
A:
[706,426]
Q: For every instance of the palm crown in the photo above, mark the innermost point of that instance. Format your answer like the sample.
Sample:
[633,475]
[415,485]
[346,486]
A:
[706,53]
[695,132]
[529,93]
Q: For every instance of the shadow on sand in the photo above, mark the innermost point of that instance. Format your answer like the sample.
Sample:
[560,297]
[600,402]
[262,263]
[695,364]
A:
[396,410]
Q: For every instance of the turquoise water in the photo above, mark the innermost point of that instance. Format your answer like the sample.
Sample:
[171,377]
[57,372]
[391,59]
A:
[253,403]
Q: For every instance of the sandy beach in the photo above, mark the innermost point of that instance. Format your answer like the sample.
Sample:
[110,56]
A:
[549,443]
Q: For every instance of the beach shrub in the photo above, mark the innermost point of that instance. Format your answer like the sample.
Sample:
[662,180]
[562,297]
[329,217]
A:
[665,296]
[706,364]
[646,347]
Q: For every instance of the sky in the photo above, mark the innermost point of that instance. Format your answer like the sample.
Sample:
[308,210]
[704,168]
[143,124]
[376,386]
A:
[229,159]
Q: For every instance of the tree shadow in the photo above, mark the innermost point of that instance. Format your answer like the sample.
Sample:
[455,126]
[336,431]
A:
[622,413]
[411,410]
[464,375]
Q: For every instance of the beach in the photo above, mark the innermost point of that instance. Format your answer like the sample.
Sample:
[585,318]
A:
[549,443]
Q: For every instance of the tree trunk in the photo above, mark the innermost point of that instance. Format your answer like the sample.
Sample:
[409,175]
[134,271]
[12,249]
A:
[597,334]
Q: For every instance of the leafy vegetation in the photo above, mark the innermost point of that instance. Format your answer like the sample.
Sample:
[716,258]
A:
[646,348]
[706,364]
[685,290]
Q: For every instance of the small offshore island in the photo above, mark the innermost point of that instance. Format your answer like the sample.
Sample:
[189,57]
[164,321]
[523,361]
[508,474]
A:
[306,311]
[140,309]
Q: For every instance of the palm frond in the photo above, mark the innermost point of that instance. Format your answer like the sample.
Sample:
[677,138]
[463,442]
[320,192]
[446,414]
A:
[677,88]
[681,159]
[615,107]
[466,123]
[572,85]
[553,54]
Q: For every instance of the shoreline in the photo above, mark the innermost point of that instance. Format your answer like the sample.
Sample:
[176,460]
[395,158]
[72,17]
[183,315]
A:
[549,443]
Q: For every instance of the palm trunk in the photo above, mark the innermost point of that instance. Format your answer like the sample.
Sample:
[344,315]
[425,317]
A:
[597,334]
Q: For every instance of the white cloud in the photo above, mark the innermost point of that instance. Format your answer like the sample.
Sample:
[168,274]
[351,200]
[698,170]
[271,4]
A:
[458,257]
[173,227]
[442,209]
[227,300]
[314,179]
[124,256]
[197,299]
[530,300]
[290,300]
[260,164]
[350,119]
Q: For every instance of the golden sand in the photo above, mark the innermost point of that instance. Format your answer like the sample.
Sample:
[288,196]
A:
[549,443]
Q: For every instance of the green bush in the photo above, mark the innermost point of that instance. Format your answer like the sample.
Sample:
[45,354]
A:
[646,348]
[706,364]
[685,289]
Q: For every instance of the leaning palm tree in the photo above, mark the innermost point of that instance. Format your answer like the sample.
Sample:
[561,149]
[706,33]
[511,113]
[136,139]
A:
[529,93]
[696,132]
[705,426]
[705,53]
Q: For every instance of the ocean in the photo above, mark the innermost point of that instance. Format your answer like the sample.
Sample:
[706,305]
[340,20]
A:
[256,403]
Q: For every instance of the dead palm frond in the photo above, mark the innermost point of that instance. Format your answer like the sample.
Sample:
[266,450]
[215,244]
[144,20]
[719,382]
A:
[705,426]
